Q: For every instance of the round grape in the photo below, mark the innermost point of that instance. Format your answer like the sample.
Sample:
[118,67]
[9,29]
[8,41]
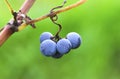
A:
[57,55]
[45,36]
[63,46]
[48,47]
[75,39]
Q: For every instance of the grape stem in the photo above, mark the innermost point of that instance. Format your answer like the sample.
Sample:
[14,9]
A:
[54,18]
[6,31]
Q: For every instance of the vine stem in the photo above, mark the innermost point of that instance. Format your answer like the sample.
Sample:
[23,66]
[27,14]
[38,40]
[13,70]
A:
[56,12]
[7,32]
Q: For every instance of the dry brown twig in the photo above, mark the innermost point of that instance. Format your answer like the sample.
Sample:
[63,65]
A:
[6,32]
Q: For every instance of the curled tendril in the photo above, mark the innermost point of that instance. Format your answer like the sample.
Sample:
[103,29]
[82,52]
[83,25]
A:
[58,6]
[54,18]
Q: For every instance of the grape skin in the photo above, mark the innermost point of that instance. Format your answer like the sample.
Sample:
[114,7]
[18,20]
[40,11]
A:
[57,55]
[75,39]
[45,36]
[63,46]
[48,47]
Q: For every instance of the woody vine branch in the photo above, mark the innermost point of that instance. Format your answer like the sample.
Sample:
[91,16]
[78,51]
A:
[6,31]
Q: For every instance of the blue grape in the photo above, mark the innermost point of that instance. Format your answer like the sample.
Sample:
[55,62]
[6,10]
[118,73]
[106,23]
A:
[57,55]
[48,47]
[63,46]
[75,39]
[45,36]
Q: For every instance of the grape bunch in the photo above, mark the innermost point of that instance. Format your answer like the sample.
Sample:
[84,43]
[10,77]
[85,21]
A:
[56,47]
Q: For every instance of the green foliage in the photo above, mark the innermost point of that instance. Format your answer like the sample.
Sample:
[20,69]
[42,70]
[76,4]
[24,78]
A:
[97,21]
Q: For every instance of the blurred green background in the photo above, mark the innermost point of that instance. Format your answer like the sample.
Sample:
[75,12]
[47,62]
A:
[98,23]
